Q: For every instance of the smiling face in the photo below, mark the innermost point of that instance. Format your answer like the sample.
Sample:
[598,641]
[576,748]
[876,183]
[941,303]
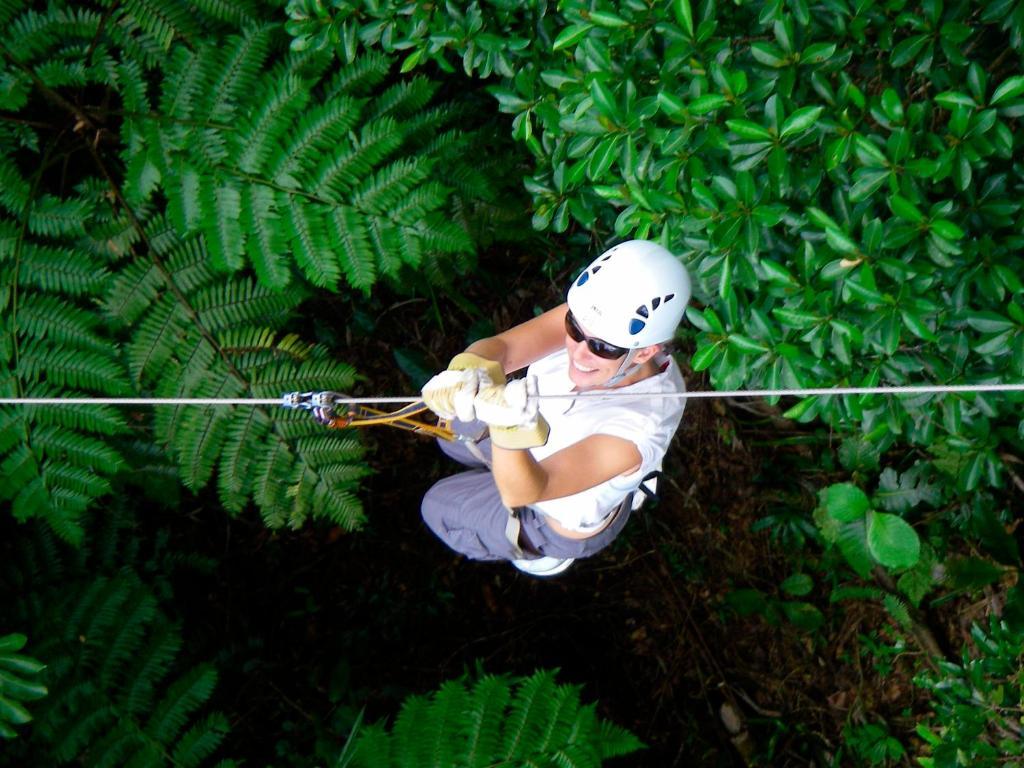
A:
[587,370]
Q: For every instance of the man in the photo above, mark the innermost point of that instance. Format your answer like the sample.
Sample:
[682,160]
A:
[548,484]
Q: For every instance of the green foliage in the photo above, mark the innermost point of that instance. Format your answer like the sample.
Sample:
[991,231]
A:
[196,333]
[117,692]
[976,704]
[839,230]
[16,684]
[56,462]
[281,168]
[863,534]
[531,721]
[871,744]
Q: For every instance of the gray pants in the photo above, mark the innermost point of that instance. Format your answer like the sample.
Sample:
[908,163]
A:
[466,512]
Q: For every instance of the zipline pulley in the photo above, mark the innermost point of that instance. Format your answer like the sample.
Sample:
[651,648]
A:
[336,411]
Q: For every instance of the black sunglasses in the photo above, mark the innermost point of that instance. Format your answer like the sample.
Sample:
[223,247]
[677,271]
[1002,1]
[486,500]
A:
[600,348]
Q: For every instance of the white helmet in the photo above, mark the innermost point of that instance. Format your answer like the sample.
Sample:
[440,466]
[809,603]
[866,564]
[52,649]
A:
[632,295]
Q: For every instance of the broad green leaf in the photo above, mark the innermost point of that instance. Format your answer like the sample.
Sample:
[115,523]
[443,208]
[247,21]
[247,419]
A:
[671,104]
[840,241]
[746,344]
[705,356]
[1010,88]
[708,103]
[571,35]
[947,230]
[800,121]
[749,130]
[917,326]
[768,54]
[684,15]
[846,502]
[803,615]
[607,19]
[796,318]
[950,99]
[892,541]
[852,542]
[798,585]
[905,209]
[604,99]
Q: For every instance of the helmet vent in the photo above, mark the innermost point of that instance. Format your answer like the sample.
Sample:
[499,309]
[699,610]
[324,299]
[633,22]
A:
[583,278]
[655,303]
[597,269]
[642,310]
[669,298]
[635,326]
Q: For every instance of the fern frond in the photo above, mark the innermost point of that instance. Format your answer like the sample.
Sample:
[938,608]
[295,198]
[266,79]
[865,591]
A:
[132,292]
[74,368]
[14,190]
[493,724]
[359,76]
[246,434]
[616,741]
[54,217]
[349,233]
[183,697]
[60,74]
[137,613]
[200,437]
[307,235]
[529,710]
[159,334]
[384,189]
[61,270]
[265,238]
[222,212]
[443,236]
[280,101]
[327,449]
[240,61]
[483,716]
[46,316]
[94,419]
[32,33]
[80,450]
[348,166]
[240,302]
[317,133]
[163,20]
[269,492]
[404,98]
[386,242]
[190,76]
[200,741]
[151,665]
[239,13]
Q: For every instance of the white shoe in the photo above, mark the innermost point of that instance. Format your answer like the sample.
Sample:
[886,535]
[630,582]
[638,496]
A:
[544,566]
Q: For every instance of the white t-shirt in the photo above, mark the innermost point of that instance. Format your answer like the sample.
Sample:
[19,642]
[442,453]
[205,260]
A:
[648,423]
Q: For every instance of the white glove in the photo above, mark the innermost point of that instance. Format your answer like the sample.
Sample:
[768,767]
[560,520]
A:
[450,393]
[511,411]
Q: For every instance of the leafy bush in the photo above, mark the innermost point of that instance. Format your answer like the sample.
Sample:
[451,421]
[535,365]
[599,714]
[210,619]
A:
[119,692]
[976,704]
[185,208]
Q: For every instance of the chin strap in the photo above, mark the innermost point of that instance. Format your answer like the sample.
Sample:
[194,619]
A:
[626,368]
